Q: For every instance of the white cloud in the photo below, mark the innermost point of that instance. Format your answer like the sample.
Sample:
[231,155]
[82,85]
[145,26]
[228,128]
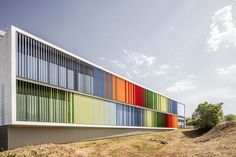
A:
[228,72]
[145,74]
[118,64]
[162,70]
[223,30]
[164,67]
[149,60]
[181,86]
[177,67]
[101,58]
[141,65]
[191,76]
[136,71]
[136,63]
[139,59]
[159,72]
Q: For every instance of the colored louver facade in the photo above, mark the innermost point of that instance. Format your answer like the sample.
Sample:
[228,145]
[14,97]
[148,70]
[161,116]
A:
[53,87]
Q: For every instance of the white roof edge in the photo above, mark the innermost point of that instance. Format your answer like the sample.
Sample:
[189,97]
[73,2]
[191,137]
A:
[2,33]
[82,59]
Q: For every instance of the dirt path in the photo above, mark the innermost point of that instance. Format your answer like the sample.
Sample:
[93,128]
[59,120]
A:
[221,141]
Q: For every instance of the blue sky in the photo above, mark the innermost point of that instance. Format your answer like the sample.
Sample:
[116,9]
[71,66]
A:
[184,49]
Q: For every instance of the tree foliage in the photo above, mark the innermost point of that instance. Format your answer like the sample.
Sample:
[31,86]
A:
[207,115]
[188,121]
[230,117]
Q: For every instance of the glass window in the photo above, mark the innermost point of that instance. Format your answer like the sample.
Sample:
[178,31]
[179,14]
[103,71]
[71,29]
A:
[81,82]
[53,69]
[40,62]
[70,78]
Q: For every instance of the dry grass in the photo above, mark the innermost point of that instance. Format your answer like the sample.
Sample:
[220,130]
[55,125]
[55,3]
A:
[221,141]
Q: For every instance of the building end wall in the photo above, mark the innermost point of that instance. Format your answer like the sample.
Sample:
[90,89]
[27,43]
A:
[5,79]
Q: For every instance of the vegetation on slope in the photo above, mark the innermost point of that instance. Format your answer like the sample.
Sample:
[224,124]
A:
[229,117]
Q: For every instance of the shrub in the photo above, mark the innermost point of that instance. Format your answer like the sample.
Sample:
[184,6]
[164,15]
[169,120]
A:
[207,115]
[229,117]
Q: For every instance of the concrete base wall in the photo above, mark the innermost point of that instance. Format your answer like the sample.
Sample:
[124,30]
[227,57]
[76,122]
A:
[18,136]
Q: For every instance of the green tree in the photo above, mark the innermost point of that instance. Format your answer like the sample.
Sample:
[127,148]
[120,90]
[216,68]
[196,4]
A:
[230,117]
[188,121]
[207,115]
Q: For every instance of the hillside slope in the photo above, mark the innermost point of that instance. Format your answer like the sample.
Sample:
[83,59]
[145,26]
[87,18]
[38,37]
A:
[220,141]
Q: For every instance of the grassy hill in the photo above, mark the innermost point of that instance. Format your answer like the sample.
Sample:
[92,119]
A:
[220,141]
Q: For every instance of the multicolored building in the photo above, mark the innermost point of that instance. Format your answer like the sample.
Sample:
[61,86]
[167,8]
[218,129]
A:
[48,94]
